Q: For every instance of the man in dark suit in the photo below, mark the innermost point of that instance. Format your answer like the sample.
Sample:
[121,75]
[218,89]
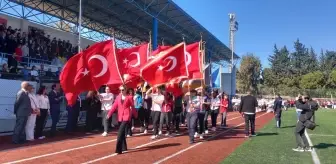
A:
[277,110]
[22,109]
[55,101]
[248,107]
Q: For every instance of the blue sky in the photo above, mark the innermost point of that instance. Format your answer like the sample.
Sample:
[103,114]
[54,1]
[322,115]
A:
[262,23]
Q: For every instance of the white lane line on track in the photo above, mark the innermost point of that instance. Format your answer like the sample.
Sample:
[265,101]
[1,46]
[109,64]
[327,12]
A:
[199,143]
[78,148]
[314,155]
[112,155]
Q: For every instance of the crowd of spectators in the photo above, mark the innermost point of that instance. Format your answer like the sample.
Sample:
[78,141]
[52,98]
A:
[27,54]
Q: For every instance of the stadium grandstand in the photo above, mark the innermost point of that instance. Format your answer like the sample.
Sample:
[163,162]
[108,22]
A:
[37,37]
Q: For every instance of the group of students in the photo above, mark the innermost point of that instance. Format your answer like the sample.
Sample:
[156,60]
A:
[134,107]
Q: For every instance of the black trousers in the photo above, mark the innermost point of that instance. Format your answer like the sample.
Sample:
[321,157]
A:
[206,115]
[300,136]
[55,116]
[277,116]
[249,122]
[121,139]
[19,134]
[177,120]
[40,122]
[143,118]
[91,117]
[200,121]
[214,115]
[156,120]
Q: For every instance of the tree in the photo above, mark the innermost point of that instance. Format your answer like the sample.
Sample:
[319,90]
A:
[332,79]
[312,80]
[280,62]
[300,59]
[248,76]
[313,64]
[269,78]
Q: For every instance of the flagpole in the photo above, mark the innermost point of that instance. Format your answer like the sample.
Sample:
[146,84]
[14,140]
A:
[162,42]
[79,25]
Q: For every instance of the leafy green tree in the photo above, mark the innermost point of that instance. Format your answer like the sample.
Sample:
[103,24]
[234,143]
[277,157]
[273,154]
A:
[332,79]
[280,62]
[249,73]
[313,80]
[313,63]
[299,59]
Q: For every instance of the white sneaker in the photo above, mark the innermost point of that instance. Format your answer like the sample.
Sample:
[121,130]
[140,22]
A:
[41,138]
[132,128]
[201,136]
[128,135]
[145,132]
[104,134]
[207,132]
[167,134]
[160,132]
[196,134]
[152,130]
[153,137]
[213,129]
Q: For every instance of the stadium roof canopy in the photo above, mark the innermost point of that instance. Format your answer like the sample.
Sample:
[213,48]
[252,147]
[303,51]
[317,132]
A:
[131,21]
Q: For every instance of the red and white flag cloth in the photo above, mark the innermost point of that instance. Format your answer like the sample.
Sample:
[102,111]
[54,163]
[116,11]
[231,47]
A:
[130,60]
[167,65]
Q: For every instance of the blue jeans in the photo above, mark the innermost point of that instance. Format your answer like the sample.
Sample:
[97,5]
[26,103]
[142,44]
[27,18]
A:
[298,113]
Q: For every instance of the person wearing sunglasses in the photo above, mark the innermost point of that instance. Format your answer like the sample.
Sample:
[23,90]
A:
[124,104]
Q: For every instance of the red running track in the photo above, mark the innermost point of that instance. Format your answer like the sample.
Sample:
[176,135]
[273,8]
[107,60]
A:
[97,149]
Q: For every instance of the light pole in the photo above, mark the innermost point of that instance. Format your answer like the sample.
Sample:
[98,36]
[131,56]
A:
[233,28]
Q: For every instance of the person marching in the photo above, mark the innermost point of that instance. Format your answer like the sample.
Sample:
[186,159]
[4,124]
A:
[130,128]
[157,99]
[277,110]
[223,109]
[193,108]
[166,113]
[215,104]
[138,104]
[124,104]
[106,99]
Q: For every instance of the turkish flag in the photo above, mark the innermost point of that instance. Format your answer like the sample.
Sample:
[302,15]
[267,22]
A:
[130,60]
[71,72]
[168,65]
[194,60]
[158,50]
[99,63]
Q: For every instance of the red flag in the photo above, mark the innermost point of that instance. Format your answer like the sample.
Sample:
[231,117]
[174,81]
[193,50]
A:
[193,58]
[166,66]
[72,70]
[100,64]
[158,50]
[174,88]
[130,60]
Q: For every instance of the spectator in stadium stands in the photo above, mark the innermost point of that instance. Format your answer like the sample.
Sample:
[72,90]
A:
[49,73]
[18,53]
[73,113]
[4,71]
[44,105]
[25,53]
[25,72]
[248,107]
[55,99]
[277,110]
[24,38]
[34,73]
[93,106]
[106,99]
[32,118]
[42,72]
[58,72]
[22,109]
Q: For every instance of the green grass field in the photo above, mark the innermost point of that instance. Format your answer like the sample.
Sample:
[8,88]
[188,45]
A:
[274,146]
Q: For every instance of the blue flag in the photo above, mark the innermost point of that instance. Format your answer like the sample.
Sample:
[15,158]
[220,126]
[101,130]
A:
[215,79]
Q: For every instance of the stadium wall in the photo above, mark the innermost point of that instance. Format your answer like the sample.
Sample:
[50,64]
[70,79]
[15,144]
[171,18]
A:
[23,24]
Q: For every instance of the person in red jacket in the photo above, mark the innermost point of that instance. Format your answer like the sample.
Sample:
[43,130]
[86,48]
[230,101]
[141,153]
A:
[124,104]
[223,109]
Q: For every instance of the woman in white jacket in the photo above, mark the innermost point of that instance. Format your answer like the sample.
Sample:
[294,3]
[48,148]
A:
[44,105]
[32,118]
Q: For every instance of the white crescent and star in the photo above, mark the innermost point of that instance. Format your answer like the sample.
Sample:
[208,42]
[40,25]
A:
[137,54]
[103,61]
[174,63]
[188,58]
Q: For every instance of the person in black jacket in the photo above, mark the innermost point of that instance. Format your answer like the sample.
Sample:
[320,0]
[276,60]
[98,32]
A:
[93,106]
[308,107]
[277,110]
[248,107]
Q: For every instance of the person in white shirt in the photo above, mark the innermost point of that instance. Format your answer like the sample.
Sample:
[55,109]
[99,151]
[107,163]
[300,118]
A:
[32,118]
[34,73]
[44,105]
[193,108]
[157,99]
[215,104]
[106,99]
